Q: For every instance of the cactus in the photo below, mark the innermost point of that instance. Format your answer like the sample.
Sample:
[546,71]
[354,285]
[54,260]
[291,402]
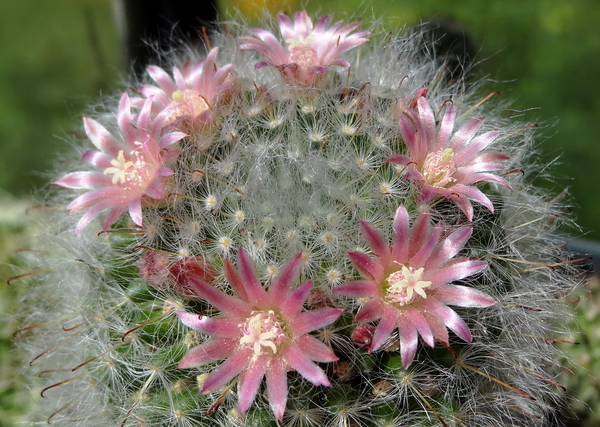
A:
[312,225]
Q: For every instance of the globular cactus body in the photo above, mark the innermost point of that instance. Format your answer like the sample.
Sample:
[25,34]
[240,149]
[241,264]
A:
[312,229]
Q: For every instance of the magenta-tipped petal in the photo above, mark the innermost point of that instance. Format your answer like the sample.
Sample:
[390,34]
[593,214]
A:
[371,311]
[249,382]
[367,266]
[463,296]
[219,327]
[415,317]
[228,370]
[282,283]
[449,247]
[234,280]
[386,326]
[409,340]
[100,137]
[277,389]
[293,304]
[210,351]
[456,271]
[135,210]
[248,276]
[358,289]
[225,303]
[376,241]
[83,180]
[452,320]
[297,360]
[315,349]
[400,242]
[308,321]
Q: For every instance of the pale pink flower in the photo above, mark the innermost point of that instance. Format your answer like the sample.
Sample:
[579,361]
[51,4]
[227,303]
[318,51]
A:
[260,333]
[307,51]
[408,283]
[192,92]
[446,164]
[130,169]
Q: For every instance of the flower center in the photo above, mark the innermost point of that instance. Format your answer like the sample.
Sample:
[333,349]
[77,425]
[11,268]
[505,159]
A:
[188,103]
[300,51]
[127,173]
[439,167]
[404,284]
[262,331]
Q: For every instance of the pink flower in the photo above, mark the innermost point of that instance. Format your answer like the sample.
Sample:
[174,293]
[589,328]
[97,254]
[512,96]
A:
[193,92]
[308,51]
[130,169]
[448,165]
[260,333]
[407,284]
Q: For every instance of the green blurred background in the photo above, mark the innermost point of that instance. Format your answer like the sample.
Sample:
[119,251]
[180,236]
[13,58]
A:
[59,56]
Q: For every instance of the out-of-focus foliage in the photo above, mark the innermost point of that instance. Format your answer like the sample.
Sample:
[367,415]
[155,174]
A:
[13,235]
[582,381]
[55,58]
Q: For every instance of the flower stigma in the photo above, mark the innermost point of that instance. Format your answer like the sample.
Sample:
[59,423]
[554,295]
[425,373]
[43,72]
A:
[262,331]
[404,283]
[119,168]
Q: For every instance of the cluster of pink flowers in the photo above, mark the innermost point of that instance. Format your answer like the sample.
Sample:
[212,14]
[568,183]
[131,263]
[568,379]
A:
[132,170]
[266,333]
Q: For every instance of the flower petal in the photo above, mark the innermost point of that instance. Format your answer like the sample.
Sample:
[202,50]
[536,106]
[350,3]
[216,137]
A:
[296,359]
[101,138]
[384,329]
[249,382]
[358,289]
[226,303]
[294,302]
[282,283]
[368,267]
[252,285]
[421,324]
[220,327]
[210,351]
[79,180]
[315,349]
[277,389]
[400,240]
[308,321]
[463,296]
[409,341]
[455,271]
[449,247]
[452,320]
[370,312]
[237,362]
[376,241]
[420,258]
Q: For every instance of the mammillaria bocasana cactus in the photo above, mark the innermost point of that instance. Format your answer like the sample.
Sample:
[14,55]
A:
[310,226]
